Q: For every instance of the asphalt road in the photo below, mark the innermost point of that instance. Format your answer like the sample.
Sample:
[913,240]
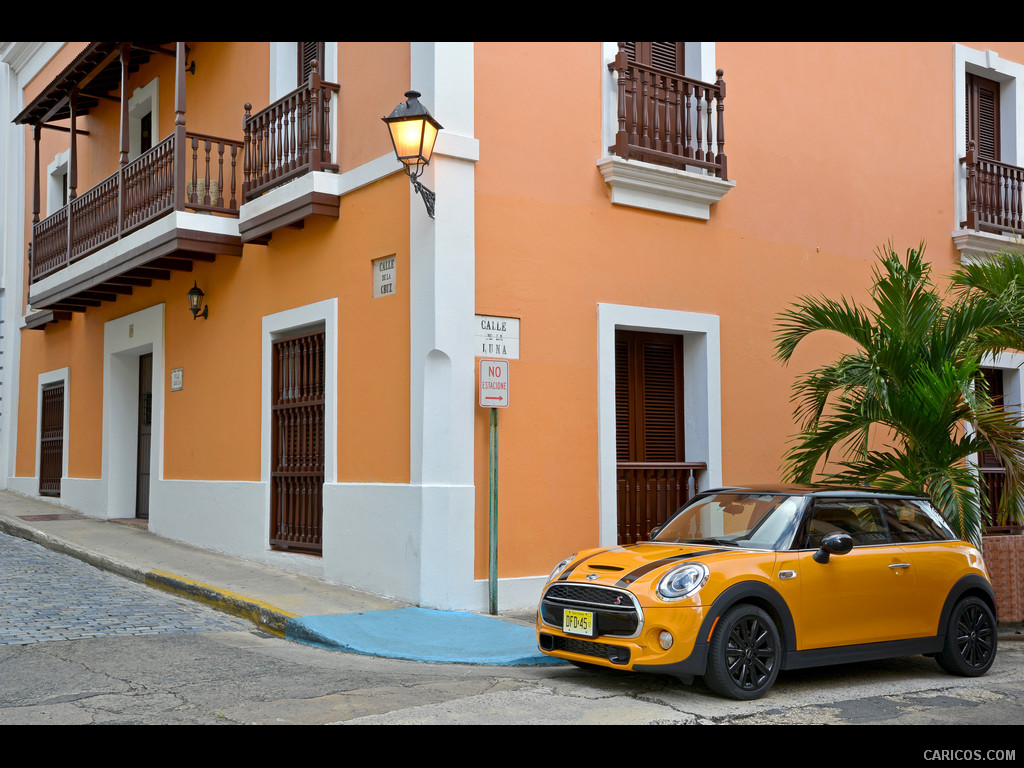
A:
[147,658]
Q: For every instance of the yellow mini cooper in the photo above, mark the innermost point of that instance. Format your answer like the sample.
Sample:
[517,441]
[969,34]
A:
[743,582]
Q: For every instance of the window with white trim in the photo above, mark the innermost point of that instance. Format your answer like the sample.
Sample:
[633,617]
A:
[663,124]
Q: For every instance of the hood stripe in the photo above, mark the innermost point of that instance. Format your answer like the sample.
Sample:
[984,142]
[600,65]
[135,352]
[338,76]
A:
[573,566]
[633,575]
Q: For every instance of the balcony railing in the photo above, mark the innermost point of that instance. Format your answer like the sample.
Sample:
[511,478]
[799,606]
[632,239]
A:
[289,138]
[648,494]
[668,119]
[137,194]
[994,192]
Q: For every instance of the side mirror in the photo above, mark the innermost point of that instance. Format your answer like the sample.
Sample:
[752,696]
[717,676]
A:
[654,532]
[833,544]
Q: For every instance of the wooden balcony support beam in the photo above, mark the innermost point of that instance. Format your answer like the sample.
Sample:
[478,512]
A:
[128,281]
[150,274]
[97,295]
[179,265]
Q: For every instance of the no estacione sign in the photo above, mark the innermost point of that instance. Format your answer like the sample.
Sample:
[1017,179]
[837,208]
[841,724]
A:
[493,383]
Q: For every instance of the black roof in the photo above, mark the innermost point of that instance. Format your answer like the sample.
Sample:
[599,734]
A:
[818,491]
[96,73]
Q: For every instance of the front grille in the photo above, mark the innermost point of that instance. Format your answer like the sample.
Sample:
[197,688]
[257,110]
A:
[585,593]
[615,611]
[612,653]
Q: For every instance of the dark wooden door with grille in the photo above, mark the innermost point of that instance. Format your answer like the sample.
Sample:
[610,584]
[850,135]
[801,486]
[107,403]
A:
[145,436]
[297,471]
[993,476]
[653,480]
[51,440]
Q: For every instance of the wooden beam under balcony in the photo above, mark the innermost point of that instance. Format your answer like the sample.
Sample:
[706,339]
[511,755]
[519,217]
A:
[156,259]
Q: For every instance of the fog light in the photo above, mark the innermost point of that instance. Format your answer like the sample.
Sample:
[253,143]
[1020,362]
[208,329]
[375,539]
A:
[665,639]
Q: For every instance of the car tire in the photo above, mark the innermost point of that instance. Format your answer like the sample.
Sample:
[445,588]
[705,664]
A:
[971,638]
[745,654]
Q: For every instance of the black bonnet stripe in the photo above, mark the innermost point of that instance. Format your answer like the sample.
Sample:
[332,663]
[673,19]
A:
[632,576]
[573,566]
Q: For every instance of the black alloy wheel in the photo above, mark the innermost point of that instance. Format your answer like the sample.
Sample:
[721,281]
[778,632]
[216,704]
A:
[745,654]
[971,639]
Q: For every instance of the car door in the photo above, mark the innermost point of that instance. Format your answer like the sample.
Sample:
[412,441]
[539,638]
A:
[864,596]
[931,549]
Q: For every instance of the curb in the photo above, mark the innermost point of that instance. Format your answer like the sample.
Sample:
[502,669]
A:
[263,615]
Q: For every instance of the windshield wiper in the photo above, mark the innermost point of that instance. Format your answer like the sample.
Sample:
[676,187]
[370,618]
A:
[722,542]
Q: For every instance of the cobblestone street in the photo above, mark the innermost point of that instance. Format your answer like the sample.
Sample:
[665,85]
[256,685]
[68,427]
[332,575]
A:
[45,596]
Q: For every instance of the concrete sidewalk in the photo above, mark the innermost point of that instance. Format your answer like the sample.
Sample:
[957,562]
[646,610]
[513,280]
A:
[294,606]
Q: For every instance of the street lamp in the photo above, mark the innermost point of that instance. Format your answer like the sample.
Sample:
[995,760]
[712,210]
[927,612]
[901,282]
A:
[413,132]
[195,301]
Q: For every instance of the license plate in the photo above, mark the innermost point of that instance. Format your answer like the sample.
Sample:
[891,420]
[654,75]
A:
[578,623]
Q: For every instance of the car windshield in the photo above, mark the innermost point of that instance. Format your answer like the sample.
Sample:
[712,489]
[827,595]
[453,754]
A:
[751,520]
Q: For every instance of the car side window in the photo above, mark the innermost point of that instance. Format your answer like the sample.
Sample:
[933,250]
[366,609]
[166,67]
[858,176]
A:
[861,519]
[911,521]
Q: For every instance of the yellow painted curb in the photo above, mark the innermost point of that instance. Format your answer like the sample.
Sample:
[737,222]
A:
[264,615]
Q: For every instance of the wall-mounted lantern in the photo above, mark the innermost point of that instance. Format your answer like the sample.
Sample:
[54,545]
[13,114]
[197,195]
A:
[195,302]
[413,132]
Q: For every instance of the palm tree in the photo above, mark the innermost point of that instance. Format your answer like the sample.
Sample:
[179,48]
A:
[902,411]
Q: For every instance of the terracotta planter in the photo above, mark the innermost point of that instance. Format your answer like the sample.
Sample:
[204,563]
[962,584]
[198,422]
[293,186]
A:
[1004,558]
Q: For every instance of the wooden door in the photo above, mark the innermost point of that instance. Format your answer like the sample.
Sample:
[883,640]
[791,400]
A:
[983,116]
[653,478]
[992,474]
[298,458]
[51,440]
[142,467]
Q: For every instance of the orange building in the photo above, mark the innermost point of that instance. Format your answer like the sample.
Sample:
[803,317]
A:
[621,222]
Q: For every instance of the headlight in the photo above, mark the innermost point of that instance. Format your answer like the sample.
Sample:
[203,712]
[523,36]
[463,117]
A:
[683,581]
[561,565]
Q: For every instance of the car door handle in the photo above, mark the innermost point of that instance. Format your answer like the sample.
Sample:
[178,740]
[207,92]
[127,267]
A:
[896,566]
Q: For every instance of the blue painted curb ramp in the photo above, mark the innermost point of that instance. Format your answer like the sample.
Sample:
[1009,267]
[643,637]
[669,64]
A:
[421,634]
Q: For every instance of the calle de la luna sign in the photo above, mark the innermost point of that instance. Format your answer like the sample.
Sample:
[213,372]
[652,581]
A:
[496,336]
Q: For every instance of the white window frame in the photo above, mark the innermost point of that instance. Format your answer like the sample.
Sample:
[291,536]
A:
[702,395]
[284,62]
[320,315]
[637,184]
[1010,76]
[58,376]
[56,181]
[143,100]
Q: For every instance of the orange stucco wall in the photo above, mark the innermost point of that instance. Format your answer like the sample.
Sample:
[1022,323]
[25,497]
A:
[212,425]
[835,149]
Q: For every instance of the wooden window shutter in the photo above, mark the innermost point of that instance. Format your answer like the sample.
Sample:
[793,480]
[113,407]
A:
[648,397]
[665,56]
[307,53]
[983,116]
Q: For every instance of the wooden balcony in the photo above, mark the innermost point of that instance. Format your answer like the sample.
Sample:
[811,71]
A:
[650,492]
[97,247]
[668,119]
[994,192]
[283,142]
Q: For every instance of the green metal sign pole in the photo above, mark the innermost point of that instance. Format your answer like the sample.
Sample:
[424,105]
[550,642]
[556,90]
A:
[492,581]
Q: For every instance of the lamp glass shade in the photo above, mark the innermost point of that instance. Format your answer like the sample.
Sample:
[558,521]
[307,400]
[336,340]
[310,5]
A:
[413,133]
[195,298]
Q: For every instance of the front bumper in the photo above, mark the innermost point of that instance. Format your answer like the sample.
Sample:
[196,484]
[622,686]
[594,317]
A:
[627,633]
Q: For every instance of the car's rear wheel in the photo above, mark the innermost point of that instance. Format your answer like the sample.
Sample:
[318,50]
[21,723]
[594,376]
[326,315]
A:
[971,637]
[745,654]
